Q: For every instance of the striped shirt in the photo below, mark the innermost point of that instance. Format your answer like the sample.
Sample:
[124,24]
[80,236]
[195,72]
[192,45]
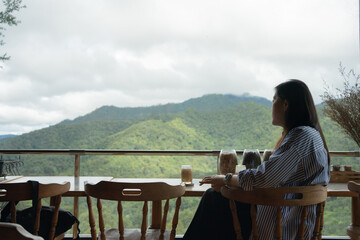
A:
[300,160]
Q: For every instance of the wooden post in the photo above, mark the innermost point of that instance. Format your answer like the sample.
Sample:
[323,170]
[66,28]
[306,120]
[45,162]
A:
[76,199]
[355,213]
[156,215]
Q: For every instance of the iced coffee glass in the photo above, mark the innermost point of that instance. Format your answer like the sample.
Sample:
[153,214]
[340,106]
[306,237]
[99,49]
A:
[186,175]
[227,162]
[251,158]
[267,154]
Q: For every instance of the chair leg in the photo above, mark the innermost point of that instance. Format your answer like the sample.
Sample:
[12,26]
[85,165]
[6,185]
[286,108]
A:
[60,237]
[319,222]
[91,218]
[55,216]
[121,220]
[143,224]
[278,229]
[236,220]
[101,220]
[163,221]
[175,219]
[253,222]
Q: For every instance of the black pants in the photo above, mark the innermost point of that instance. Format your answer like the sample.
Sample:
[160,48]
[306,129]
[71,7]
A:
[213,219]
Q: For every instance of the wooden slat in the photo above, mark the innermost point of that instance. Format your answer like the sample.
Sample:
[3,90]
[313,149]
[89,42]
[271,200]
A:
[301,229]
[253,221]
[143,224]
[175,218]
[163,222]
[278,229]
[235,220]
[55,216]
[121,220]
[91,218]
[101,220]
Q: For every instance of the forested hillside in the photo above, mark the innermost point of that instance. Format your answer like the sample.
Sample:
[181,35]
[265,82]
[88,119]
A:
[212,122]
[207,103]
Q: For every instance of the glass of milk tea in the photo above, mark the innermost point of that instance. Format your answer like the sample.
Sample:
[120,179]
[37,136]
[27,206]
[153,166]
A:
[186,175]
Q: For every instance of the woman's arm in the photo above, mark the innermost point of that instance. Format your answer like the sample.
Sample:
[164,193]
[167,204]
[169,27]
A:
[217,181]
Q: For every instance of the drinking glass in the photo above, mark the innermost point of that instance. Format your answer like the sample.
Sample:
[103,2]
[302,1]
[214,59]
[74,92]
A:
[336,168]
[251,158]
[227,161]
[347,168]
[267,154]
[186,175]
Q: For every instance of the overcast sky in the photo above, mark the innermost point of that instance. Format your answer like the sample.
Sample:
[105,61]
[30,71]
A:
[70,57]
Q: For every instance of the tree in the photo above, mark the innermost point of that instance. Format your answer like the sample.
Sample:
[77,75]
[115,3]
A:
[8,19]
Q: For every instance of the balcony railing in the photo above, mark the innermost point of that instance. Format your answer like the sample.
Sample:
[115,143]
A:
[87,152]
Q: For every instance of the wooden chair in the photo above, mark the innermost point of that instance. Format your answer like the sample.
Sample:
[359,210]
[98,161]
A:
[14,231]
[354,229]
[13,192]
[145,192]
[310,195]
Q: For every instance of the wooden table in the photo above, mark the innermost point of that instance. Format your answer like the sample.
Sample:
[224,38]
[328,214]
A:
[77,190]
[9,178]
[77,184]
[334,189]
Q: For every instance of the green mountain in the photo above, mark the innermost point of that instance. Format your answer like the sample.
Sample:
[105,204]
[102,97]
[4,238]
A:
[207,103]
[6,136]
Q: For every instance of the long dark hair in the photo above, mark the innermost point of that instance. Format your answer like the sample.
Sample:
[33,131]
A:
[301,109]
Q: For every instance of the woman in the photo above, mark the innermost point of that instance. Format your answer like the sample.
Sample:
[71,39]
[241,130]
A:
[300,158]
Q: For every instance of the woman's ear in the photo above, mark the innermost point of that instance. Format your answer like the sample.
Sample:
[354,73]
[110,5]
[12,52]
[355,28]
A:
[285,105]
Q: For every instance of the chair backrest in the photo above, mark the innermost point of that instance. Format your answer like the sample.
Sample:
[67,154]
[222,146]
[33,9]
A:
[305,196]
[14,192]
[14,231]
[122,191]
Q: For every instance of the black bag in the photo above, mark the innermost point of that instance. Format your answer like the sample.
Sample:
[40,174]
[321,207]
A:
[26,217]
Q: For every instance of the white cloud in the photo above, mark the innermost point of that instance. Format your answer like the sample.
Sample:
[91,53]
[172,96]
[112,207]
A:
[70,57]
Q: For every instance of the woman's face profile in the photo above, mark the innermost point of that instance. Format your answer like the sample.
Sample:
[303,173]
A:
[279,107]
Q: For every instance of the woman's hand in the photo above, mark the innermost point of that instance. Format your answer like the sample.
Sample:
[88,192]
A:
[216,181]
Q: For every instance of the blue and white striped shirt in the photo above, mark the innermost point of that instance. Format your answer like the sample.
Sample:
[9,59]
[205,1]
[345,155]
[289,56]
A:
[300,160]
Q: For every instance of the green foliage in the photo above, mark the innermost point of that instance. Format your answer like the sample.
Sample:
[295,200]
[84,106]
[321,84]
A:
[188,126]
[248,125]
[7,18]
[207,103]
[64,136]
